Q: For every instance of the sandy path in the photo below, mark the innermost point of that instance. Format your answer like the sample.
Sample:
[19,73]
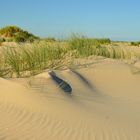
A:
[104,105]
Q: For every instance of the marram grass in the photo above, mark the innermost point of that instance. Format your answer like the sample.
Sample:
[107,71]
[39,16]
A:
[26,60]
[33,59]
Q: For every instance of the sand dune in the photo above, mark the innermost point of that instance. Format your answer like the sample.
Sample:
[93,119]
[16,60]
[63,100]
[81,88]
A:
[104,105]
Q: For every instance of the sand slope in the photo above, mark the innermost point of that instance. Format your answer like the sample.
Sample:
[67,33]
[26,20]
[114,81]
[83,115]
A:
[104,105]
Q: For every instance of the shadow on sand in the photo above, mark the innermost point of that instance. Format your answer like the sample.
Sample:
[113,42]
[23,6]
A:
[83,79]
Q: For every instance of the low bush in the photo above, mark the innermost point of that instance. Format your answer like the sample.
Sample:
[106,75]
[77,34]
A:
[135,43]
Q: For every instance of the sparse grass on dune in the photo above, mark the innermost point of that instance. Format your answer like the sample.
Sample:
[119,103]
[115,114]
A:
[86,47]
[33,59]
[30,59]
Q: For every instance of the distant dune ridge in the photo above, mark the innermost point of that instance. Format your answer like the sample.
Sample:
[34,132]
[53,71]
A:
[15,34]
[104,105]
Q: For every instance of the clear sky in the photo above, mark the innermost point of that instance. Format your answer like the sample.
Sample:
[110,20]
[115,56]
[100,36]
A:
[116,19]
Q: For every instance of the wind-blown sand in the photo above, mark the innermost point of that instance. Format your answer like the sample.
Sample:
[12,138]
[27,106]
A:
[104,105]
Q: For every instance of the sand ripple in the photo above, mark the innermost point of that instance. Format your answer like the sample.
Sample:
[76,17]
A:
[42,111]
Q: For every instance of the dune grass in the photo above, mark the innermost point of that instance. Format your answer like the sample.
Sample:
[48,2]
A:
[87,46]
[27,60]
[99,47]
[33,59]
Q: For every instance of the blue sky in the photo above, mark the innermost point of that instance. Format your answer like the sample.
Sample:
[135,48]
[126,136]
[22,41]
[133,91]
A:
[116,19]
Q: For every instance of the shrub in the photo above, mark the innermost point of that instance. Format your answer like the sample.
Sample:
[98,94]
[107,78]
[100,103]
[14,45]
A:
[135,43]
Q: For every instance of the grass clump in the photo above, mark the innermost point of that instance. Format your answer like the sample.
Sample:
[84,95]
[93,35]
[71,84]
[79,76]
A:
[88,46]
[22,60]
[13,60]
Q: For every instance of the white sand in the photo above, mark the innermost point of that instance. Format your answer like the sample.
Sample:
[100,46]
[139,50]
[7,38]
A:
[104,105]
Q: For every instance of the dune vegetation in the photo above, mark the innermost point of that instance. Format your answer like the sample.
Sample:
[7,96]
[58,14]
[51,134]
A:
[137,43]
[14,33]
[31,58]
